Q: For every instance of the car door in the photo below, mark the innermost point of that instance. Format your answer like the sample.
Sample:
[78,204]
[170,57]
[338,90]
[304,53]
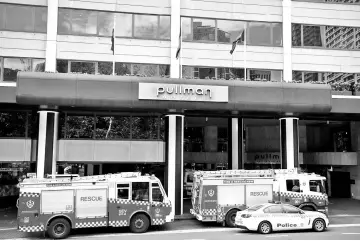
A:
[275,215]
[158,210]
[296,218]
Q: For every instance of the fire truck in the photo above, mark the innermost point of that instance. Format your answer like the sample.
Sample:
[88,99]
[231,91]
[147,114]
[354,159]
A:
[218,195]
[57,205]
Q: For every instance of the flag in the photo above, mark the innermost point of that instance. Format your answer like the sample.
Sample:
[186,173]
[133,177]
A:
[179,47]
[113,41]
[240,38]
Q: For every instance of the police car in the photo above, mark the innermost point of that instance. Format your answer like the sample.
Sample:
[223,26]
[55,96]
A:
[269,217]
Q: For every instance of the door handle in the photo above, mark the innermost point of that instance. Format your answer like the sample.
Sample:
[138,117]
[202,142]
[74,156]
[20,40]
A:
[118,206]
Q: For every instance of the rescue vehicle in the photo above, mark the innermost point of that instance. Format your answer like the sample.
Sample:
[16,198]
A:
[57,205]
[218,195]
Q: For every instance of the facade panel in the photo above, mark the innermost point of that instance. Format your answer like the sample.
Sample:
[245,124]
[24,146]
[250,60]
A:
[258,10]
[326,14]
[27,2]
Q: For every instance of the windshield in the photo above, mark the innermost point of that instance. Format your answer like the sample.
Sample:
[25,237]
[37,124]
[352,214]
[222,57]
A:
[255,208]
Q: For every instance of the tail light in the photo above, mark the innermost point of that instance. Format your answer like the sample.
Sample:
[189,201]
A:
[246,215]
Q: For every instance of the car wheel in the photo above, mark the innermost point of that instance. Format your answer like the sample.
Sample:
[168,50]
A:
[308,208]
[230,218]
[59,228]
[139,223]
[265,227]
[319,225]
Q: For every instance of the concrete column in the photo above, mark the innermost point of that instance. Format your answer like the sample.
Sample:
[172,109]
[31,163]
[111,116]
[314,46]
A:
[235,143]
[51,35]
[175,163]
[47,142]
[289,142]
[355,135]
[287,42]
[175,31]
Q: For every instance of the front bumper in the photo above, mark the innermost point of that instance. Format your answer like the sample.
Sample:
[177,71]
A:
[197,216]
[241,226]
[169,219]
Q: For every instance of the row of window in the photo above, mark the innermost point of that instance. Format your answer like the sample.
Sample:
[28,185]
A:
[227,31]
[106,68]
[96,23]
[111,127]
[330,37]
[18,124]
[331,1]
[22,18]
[231,73]
[194,139]
[338,81]
[10,66]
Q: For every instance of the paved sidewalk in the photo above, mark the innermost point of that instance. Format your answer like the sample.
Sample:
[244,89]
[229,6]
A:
[344,206]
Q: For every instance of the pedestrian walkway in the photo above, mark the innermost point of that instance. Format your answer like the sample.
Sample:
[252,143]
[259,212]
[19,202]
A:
[344,206]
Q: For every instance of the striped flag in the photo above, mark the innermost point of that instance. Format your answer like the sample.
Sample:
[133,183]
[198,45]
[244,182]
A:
[240,38]
[179,47]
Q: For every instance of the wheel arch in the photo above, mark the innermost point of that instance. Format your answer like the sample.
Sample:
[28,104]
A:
[141,212]
[312,205]
[236,209]
[66,217]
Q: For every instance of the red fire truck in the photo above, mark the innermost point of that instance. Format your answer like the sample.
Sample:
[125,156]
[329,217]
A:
[218,195]
[58,205]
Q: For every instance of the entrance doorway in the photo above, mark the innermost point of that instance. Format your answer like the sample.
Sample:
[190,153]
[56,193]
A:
[340,184]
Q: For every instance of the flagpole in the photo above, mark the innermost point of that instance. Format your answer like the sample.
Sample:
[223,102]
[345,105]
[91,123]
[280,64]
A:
[245,37]
[113,72]
[180,54]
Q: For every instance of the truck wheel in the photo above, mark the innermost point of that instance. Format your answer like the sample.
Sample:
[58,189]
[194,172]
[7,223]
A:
[59,228]
[308,208]
[319,225]
[139,223]
[265,227]
[230,218]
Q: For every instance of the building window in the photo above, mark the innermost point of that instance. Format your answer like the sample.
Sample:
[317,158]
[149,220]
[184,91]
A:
[113,127]
[222,139]
[230,73]
[80,127]
[122,69]
[145,127]
[38,65]
[123,191]
[33,19]
[265,75]
[13,65]
[82,67]
[330,37]
[332,1]
[98,23]
[14,124]
[194,139]
[227,31]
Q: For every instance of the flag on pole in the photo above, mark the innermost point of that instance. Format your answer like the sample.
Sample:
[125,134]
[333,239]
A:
[179,47]
[239,39]
[113,41]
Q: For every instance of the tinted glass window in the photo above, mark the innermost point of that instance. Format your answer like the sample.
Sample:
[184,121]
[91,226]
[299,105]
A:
[113,127]
[339,37]
[124,25]
[297,76]
[64,21]
[316,186]
[204,29]
[255,208]
[16,23]
[293,185]
[357,38]
[145,69]
[296,34]
[84,22]
[14,65]
[40,19]
[145,26]
[144,127]
[274,209]
[79,127]
[105,68]
[157,194]
[229,31]
[2,16]
[186,29]
[123,191]
[259,33]
[164,70]
[12,124]
[38,65]
[140,191]
[277,34]
[290,209]
[122,69]
[312,77]
[62,66]
[314,36]
[230,73]
[164,28]
[105,23]
[83,67]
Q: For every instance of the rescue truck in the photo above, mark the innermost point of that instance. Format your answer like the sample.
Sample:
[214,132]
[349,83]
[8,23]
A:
[57,205]
[219,195]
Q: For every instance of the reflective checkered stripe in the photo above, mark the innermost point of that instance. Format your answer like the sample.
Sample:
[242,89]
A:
[121,223]
[127,201]
[91,224]
[299,195]
[29,194]
[156,221]
[208,212]
[158,204]
[31,228]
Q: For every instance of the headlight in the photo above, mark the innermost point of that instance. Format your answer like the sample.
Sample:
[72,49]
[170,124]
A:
[246,215]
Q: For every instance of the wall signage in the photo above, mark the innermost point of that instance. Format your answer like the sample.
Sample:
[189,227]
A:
[183,92]
[263,158]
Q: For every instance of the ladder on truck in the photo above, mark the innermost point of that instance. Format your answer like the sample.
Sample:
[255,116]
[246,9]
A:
[234,173]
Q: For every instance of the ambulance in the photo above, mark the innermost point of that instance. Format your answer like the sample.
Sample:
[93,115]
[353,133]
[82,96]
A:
[57,205]
[219,195]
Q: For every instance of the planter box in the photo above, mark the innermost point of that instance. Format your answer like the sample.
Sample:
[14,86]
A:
[345,92]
